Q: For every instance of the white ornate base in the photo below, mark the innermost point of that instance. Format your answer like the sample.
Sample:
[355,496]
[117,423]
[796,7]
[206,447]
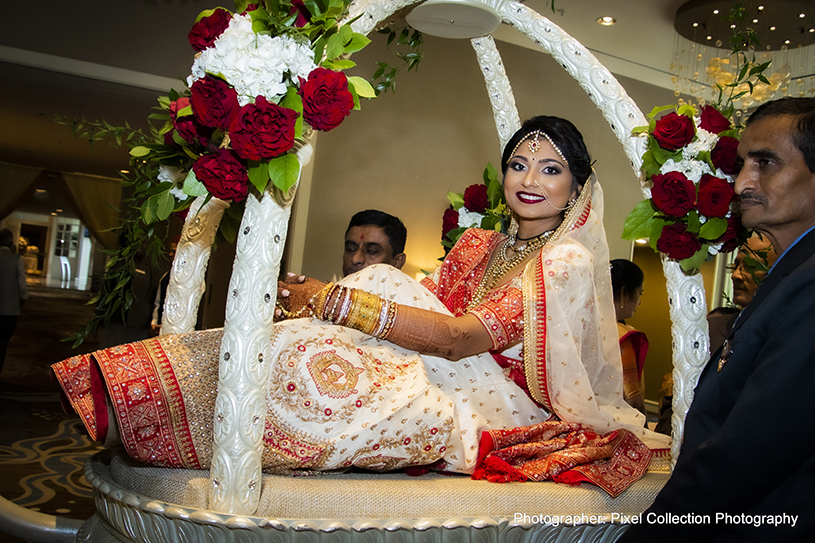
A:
[430,503]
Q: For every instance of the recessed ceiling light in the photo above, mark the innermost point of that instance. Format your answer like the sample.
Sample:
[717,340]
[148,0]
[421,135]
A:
[709,38]
[642,241]
[695,25]
[802,15]
[755,21]
[760,8]
[812,30]
[787,42]
[715,12]
[732,26]
[772,28]
[59,211]
[607,20]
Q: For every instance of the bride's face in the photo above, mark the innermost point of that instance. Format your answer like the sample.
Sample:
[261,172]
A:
[534,185]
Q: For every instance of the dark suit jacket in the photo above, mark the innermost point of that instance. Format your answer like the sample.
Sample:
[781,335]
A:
[749,446]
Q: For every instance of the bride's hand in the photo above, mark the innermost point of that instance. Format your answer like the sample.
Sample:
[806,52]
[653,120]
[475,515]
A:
[294,293]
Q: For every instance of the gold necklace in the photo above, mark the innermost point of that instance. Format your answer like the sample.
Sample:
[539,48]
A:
[502,264]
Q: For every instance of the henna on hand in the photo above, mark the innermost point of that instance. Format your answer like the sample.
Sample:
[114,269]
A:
[432,333]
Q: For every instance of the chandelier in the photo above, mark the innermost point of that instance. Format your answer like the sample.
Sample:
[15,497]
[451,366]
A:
[703,55]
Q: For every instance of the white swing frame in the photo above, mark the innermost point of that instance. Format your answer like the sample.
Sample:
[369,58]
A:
[236,472]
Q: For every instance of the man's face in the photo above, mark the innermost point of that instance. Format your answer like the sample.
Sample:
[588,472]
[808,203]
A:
[776,189]
[743,276]
[364,246]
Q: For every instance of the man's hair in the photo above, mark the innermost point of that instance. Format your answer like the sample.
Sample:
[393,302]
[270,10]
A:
[394,229]
[6,238]
[804,128]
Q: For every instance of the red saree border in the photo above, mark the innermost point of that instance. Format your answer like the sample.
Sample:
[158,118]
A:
[148,404]
[535,363]
[74,377]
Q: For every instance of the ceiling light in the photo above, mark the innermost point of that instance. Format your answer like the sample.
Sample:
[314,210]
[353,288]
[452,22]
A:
[641,241]
[755,21]
[772,28]
[802,15]
[760,8]
[606,21]
[787,42]
[695,25]
[715,12]
[709,38]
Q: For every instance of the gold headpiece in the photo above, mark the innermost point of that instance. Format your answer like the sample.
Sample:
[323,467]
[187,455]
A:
[535,144]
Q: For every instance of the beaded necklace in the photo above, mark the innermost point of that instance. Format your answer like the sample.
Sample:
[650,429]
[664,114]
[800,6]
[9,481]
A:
[501,264]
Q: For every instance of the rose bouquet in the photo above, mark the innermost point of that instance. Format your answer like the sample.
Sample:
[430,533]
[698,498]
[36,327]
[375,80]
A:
[690,162]
[262,79]
[480,206]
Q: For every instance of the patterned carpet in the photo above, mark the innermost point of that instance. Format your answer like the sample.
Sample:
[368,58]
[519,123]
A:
[43,449]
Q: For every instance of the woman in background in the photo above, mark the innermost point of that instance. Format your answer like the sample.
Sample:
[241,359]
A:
[626,282]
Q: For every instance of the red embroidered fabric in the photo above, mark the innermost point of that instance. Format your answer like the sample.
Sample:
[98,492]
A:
[565,453]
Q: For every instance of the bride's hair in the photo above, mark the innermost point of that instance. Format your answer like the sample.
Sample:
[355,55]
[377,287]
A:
[567,138]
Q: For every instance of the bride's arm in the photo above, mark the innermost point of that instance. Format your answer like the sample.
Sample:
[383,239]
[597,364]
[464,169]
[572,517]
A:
[421,330]
[432,333]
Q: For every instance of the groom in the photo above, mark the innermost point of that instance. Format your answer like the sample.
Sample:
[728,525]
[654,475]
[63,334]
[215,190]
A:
[746,471]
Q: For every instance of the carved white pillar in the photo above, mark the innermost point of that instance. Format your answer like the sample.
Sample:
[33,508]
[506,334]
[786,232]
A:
[499,90]
[690,341]
[187,282]
[240,408]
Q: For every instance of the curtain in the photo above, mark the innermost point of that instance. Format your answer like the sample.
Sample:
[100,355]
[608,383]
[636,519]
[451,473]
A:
[96,201]
[17,183]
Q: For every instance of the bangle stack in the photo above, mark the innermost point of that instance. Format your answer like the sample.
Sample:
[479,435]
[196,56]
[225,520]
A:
[355,309]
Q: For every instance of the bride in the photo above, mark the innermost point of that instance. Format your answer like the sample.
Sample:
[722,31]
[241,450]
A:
[384,372]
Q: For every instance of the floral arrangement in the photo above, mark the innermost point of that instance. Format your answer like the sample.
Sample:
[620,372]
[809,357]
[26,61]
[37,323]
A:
[482,205]
[263,77]
[690,160]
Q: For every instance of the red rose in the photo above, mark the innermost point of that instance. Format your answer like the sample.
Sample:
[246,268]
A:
[262,130]
[673,193]
[674,131]
[187,126]
[449,221]
[326,98]
[249,7]
[713,121]
[475,198]
[214,102]
[715,195]
[223,174]
[724,155]
[303,14]
[733,236]
[676,242]
[206,31]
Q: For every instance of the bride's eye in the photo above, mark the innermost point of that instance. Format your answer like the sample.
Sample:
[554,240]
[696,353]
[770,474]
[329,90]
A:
[517,165]
[551,170]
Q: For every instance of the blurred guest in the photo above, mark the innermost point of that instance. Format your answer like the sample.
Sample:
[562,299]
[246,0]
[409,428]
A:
[626,281]
[12,290]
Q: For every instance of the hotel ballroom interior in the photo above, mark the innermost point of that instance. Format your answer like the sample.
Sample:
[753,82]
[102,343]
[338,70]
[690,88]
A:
[402,152]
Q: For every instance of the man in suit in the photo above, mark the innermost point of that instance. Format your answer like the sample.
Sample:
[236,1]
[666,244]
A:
[746,471]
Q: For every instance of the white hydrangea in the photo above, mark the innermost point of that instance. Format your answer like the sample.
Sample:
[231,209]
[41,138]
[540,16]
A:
[705,141]
[693,169]
[255,64]
[171,174]
[176,176]
[468,219]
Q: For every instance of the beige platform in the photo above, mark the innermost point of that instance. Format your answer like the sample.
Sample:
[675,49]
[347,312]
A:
[329,507]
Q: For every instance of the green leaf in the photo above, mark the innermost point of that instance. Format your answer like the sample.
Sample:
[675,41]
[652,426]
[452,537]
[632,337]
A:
[164,205]
[139,151]
[713,228]
[192,186]
[284,171]
[455,233]
[694,224]
[339,64]
[640,221]
[362,87]
[693,263]
[456,200]
[495,192]
[294,101]
[357,43]
[258,175]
